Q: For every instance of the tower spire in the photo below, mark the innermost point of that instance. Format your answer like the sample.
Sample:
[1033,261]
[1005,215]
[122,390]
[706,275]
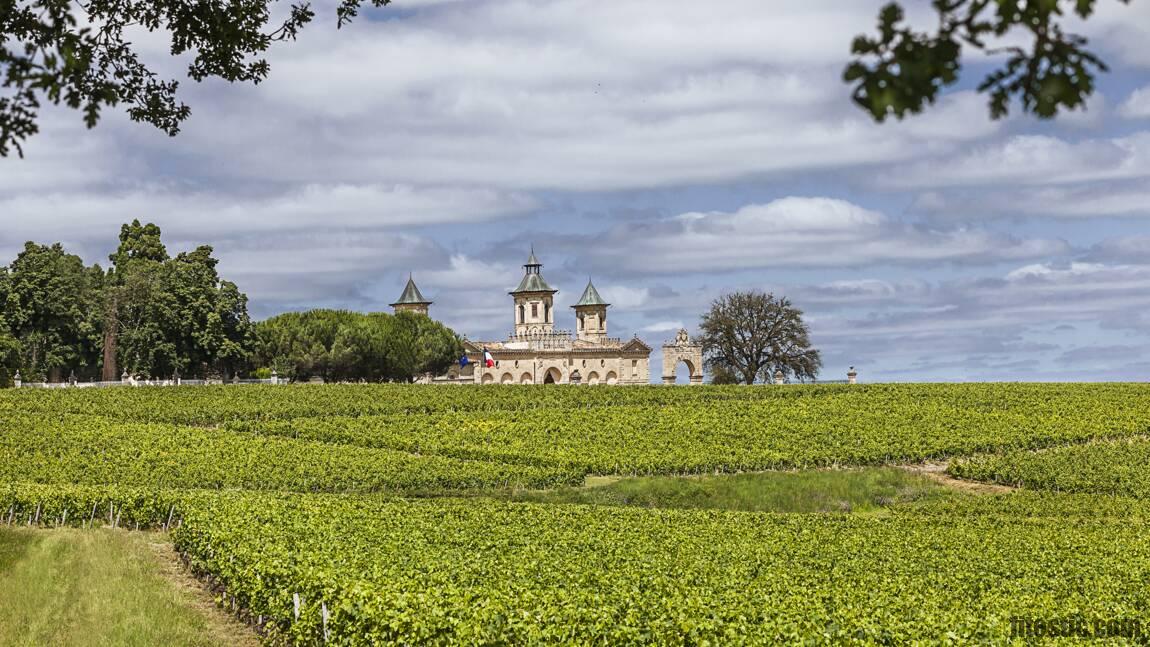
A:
[412,300]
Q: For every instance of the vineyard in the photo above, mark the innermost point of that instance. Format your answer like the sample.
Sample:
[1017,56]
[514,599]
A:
[378,514]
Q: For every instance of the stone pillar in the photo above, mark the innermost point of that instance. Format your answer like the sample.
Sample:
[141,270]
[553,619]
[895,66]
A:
[275,376]
[18,381]
[852,376]
[778,377]
[124,377]
[72,378]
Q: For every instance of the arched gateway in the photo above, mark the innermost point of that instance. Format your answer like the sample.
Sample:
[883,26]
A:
[686,351]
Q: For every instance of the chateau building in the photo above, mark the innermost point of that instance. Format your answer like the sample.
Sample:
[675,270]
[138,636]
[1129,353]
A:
[535,352]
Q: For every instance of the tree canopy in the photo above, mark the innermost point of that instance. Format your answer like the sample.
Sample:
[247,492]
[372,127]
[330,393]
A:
[901,70]
[149,314]
[51,308]
[343,345]
[748,336]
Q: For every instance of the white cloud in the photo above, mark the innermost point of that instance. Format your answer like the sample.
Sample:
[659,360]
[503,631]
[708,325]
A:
[1137,105]
[225,214]
[800,232]
[625,297]
[663,326]
[467,273]
[1030,159]
[562,94]
[1126,199]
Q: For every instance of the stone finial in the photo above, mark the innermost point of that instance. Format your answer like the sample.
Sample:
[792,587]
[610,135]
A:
[852,376]
[124,377]
[72,378]
[17,380]
[275,376]
[778,377]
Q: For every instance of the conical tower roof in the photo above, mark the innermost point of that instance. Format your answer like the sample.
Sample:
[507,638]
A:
[532,279]
[590,297]
[411,295]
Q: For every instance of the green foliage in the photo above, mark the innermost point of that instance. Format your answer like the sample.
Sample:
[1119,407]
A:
[1119,467]
[342,345]
[388,570]
[743,429]
[51,309]
[748,336]
[93,450]
[92,589]
[79,55]
[478,572]
[834,491]
[901,70]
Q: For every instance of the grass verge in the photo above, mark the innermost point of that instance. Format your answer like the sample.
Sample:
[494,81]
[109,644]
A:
[102,587]
[843,490]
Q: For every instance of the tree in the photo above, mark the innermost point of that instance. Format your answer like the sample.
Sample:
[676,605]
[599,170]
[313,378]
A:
[720,375]
[9,347]
[902,70]
[80,54]
[51,307]
[750,335]
[344,345]
[136,308]
[420,345]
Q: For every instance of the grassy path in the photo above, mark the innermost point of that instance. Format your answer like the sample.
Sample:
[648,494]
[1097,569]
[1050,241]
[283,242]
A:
[101,587]
[858,490]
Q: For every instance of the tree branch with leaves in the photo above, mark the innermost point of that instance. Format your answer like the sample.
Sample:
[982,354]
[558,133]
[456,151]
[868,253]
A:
[901,70]
[78,53]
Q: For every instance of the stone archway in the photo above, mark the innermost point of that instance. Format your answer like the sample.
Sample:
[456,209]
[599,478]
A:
[525,379]
[592,378]
[686,351]
[507,379]
[487,378]
[553,376]
[612,378]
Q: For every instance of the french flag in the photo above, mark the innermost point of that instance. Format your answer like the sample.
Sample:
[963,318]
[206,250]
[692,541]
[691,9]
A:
[488,360]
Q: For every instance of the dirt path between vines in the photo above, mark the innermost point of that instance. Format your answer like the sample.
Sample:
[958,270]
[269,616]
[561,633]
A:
[223,627]
[937,472]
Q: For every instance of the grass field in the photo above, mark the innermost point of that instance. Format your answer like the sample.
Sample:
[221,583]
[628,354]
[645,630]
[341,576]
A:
[103,587]
[859,490]
[423,515]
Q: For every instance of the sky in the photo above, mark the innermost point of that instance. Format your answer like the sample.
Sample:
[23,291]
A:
[671,151]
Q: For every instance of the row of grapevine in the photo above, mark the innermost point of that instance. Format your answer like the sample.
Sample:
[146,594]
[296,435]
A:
[1119,467]
[95,450]
[861,427]
[360,571]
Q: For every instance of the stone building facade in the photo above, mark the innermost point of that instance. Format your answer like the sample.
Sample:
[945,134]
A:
[536,353]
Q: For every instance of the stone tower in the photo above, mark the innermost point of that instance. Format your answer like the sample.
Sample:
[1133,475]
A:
[591,315]
[411,300]
[534,301]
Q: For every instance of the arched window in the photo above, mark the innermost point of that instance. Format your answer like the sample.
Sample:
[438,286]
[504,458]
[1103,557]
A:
[580,322]
[520,313]
[547,312]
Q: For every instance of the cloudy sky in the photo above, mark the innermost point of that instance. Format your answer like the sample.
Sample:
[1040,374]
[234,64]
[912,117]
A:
[672,150]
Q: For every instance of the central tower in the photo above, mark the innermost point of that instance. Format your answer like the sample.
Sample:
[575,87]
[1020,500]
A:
[534,301]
